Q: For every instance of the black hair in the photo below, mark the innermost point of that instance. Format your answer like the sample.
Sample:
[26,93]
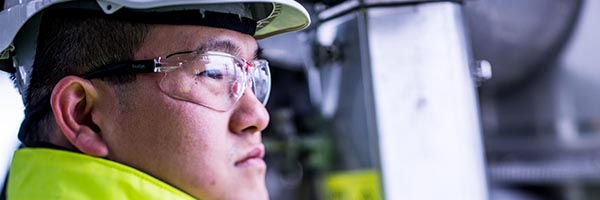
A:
[72,43]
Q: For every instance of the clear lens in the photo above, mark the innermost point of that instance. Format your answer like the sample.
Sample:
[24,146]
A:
[214,79]
[261,80]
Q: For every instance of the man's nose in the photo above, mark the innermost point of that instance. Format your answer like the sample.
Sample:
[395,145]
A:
[249,114]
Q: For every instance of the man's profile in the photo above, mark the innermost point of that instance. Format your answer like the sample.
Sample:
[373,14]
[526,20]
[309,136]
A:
[131,99]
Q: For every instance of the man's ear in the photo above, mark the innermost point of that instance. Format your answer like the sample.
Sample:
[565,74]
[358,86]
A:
[73,100]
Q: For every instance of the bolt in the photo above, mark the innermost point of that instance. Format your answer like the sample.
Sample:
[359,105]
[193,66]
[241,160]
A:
[483,71]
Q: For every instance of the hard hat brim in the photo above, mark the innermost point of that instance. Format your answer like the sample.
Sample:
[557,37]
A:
[288,15]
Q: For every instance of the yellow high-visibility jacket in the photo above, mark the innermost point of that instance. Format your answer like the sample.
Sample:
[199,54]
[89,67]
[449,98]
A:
[42,173]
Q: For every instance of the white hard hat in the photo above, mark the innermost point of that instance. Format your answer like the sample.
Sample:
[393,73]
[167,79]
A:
[272,17]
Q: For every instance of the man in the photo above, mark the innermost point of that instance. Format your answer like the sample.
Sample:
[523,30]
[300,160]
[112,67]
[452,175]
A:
[142,99]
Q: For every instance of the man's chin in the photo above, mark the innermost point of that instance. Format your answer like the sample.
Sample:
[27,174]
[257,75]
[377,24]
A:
[257,191]
[236,194]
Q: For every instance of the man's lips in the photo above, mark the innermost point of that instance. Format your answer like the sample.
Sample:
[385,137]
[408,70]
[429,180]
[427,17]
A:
[254,156]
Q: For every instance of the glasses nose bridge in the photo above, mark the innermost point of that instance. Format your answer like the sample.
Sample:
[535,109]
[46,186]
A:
[247,66]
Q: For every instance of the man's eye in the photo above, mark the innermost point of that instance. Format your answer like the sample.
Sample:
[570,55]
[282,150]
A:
[214,74]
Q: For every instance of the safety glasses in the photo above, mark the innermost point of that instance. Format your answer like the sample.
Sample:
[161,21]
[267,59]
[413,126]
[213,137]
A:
[216,80]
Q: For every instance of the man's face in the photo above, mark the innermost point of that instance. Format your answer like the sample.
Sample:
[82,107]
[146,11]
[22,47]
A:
[201,151]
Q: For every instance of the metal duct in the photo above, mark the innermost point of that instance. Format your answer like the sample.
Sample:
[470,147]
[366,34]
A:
[519,37]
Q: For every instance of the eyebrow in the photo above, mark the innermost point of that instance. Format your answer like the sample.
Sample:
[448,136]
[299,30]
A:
[226,46]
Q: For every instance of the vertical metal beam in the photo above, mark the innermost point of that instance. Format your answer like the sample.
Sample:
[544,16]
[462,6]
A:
[407,102]
[426,110]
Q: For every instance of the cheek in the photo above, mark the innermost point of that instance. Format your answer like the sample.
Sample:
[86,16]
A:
[173,127]
[176,141]
[184,144]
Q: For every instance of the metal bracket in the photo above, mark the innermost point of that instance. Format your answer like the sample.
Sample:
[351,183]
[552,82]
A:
[5,59]
[353,5]
[329,54]
[5,54]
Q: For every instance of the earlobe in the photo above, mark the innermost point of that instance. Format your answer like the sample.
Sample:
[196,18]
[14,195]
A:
[72,102]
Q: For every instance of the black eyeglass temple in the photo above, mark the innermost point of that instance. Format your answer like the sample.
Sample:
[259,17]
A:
[131,67]
[35,113]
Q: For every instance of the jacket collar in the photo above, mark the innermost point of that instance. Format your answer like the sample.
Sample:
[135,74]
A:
[41,173]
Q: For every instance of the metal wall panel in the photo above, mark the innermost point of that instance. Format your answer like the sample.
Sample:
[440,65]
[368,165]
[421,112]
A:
[406,103]
[426,108]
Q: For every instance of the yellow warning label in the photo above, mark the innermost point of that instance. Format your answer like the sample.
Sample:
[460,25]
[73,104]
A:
[353,185]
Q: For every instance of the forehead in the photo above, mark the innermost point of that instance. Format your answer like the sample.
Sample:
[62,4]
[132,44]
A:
[163,40]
